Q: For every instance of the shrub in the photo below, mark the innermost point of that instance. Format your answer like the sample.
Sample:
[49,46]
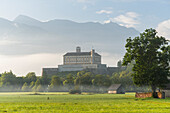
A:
[75,91]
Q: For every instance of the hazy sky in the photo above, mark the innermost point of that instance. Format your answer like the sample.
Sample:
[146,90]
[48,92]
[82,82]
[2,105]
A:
[140,14]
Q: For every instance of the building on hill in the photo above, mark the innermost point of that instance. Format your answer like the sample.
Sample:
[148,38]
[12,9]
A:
[79,57]
[78,61]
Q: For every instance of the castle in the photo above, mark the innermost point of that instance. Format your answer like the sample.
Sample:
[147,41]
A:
[78,61]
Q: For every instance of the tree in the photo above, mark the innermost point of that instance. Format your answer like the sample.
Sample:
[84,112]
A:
[115,78]
[79,74]
[25,87]
[8,79]
[31,85]
[151,55]
[86,79]
[31,76]
[55,83]
[37,83]
[124,77]
[45,79]
[77,81]
[40,88]
[69,81]
[101,81]
[19,82]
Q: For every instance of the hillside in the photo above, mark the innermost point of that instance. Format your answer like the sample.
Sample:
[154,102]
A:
[25,35]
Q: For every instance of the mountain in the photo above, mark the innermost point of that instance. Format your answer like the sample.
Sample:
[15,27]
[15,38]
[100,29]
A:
[27,20]
[26,35]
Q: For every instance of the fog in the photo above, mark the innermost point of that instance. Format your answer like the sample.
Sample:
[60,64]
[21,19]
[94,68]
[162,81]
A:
[23,64]
[82,88]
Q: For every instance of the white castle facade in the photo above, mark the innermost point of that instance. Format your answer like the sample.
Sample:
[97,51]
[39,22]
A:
[78,61]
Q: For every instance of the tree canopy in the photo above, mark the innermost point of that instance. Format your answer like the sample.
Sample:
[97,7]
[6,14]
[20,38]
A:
[151,56]
[8,78]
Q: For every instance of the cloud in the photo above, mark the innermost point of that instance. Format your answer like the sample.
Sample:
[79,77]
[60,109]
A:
[86,1]
[83,0]
[8,42]
[84,7]
[132,14]
[107,21]
[129,19]
[103,11]
[163,29]
[133,0]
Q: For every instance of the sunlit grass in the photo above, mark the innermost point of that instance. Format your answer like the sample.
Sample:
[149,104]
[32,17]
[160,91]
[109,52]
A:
[29,93]
[84,103]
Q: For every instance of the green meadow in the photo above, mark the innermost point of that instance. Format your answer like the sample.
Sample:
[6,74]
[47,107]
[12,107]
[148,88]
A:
[84,103]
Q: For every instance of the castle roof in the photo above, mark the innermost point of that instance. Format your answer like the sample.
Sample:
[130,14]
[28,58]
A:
[80,54]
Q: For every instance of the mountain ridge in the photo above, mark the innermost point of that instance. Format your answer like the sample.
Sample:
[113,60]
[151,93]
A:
[61,35]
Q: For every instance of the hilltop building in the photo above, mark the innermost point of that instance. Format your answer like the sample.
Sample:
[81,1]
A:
[78,61]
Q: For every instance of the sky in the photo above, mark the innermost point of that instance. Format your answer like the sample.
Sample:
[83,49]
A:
[140,14]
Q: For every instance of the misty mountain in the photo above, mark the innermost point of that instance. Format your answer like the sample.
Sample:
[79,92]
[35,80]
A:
[25,35]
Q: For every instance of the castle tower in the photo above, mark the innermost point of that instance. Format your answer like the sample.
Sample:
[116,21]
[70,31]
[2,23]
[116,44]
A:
[78,49]
[92,56]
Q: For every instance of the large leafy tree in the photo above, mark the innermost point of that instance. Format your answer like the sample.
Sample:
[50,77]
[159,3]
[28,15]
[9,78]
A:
[151,55]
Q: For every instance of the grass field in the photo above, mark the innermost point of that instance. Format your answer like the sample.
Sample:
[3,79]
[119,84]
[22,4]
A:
[84,103]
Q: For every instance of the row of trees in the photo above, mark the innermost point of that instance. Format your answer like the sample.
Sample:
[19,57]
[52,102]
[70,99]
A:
[84,80]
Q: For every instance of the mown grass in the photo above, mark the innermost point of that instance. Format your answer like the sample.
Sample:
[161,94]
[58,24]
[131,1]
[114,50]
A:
[85,103]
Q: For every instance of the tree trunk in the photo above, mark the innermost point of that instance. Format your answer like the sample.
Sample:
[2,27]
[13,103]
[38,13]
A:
[154,94]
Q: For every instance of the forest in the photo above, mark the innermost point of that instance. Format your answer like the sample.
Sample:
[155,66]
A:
[64,82]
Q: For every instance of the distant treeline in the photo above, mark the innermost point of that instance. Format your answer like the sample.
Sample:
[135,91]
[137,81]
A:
[83,80]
